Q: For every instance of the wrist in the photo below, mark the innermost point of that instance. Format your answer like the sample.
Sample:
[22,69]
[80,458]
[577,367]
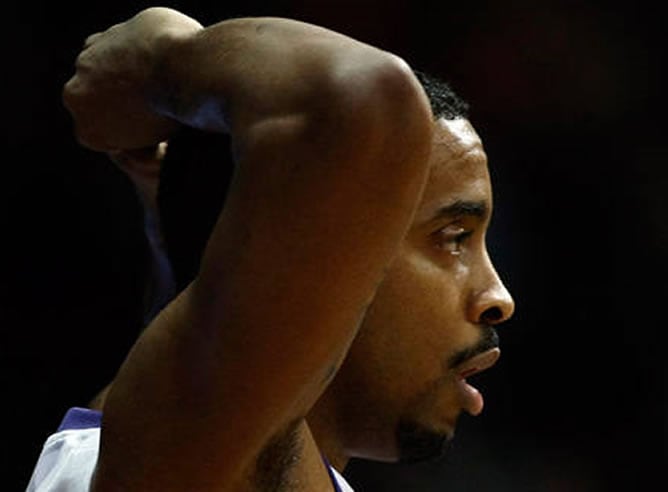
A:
[167,80]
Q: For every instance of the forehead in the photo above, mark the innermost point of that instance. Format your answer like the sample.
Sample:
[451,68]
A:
[457,168]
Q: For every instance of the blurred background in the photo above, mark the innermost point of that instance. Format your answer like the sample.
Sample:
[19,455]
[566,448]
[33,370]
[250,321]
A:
[569,99]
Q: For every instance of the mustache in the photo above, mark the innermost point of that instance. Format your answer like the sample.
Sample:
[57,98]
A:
[489,339]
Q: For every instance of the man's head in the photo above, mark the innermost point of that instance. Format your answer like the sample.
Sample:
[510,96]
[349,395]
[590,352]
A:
[402,386]
[430,325]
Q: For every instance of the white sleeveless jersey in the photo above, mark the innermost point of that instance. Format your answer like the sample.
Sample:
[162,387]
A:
[68,457]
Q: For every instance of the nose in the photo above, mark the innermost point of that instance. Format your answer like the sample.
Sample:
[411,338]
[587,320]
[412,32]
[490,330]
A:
[490,303]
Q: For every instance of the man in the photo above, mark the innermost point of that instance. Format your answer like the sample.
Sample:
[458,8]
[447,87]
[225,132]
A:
[345,293]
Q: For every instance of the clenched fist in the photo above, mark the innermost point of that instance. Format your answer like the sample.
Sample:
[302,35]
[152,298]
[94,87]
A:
[114,94]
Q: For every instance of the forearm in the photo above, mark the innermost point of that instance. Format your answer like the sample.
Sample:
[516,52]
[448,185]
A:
[239,72]
[137,81]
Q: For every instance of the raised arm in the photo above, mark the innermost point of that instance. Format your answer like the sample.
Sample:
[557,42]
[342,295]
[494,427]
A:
[332,139]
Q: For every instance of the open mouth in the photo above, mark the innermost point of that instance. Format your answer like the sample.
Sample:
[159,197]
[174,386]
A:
[470,398]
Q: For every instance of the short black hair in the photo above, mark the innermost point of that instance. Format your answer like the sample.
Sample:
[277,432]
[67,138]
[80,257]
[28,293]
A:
[445,103]
[197,172]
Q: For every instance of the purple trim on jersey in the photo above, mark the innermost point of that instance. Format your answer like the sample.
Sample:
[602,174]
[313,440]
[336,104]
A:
[331,475]
[85,418]
[334,482]
[80,418]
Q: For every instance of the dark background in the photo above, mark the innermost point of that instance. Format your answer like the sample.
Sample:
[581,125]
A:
[568,98]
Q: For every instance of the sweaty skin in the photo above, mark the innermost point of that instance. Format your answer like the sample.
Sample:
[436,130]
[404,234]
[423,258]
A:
[332,139]
[351,246]
[438,299]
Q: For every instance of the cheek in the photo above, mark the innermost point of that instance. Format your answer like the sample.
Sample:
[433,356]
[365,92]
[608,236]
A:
[415,322]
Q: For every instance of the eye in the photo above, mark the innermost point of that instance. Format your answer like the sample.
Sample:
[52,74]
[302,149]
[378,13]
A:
[451,238]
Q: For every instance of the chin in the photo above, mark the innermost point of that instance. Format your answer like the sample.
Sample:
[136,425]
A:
[418,444]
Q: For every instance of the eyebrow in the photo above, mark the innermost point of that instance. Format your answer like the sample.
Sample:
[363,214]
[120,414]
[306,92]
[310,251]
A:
[462,208]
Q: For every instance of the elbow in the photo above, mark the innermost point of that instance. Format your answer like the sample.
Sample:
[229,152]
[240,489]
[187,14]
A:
[383,86]
[382,109]
[402,105]
[397,89]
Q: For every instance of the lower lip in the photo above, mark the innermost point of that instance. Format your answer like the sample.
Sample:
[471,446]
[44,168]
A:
[470,398]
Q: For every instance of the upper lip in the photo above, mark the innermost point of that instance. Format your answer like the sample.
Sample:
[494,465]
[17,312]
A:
[478,363]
